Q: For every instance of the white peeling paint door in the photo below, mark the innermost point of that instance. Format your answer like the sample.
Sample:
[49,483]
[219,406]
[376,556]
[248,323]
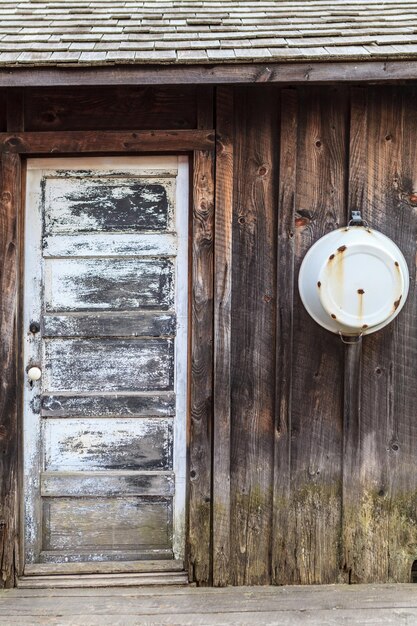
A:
[105,320]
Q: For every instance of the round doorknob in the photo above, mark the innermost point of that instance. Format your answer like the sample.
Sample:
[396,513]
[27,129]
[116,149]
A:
[34,373]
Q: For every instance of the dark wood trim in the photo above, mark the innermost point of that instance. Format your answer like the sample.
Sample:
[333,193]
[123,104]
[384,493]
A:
[71,142]
[222,333]
[15,110]
[10,204]
[201,388]
[9,210]
[245,73]
[281,557]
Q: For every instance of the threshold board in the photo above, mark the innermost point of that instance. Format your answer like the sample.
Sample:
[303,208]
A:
[104,567]
[102,580]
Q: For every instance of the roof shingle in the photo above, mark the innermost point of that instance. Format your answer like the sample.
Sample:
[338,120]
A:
[88,32]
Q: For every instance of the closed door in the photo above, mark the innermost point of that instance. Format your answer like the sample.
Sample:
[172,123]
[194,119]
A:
[105,359]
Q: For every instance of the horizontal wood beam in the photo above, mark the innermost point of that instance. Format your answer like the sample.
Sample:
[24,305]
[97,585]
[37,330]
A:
[68,142]
[301,72]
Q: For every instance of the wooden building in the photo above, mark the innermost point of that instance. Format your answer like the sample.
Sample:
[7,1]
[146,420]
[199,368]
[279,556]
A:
[165,166]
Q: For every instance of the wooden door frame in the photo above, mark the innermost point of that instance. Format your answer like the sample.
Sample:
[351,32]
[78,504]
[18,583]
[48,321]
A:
[15,145]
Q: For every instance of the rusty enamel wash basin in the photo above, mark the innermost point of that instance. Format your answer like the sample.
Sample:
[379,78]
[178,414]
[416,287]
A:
[354,281]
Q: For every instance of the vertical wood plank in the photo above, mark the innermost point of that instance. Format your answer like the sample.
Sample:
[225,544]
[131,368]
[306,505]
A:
[317,381]
[402,538]
[352,540]
[9,207]
[380,513]
[282,563]
[253,333]
[201,392]
[10,200]
[351,447]
[222,328]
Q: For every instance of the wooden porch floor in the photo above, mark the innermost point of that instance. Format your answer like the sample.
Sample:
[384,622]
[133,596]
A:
[328,605]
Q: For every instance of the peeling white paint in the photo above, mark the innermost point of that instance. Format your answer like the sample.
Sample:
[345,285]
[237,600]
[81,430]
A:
[101,283]
[107,364]
[76,205]
[101,255]
[110,245]
[107,443]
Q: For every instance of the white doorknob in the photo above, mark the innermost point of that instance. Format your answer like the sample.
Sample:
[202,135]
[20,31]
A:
[34,373]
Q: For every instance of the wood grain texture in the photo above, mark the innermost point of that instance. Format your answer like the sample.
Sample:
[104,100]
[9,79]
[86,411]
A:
[15,110]
[282,561]
[391,605]
[76,204]
[106,109]
[352,536]
[380,513]
[201,392]
[351,447]
[110,245]
[111,364]
[80,484]
[133,141]
[75,445]
[118,579]
[43,569]
[221,74]
[101,556]
[3,112]
[100,283]
[316,414]
[110,324]
[106,524]
[253,334]
[10,173]
[222,336]
[107,405]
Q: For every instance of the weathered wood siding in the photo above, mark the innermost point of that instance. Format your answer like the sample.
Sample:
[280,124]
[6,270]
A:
[321,436]
[146,108]
[302,452]
[380,501]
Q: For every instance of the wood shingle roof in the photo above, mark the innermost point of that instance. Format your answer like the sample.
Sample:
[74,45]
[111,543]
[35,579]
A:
[91,32]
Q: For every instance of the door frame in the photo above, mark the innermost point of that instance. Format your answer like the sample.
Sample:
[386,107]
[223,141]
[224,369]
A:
[199,145]
[33,287]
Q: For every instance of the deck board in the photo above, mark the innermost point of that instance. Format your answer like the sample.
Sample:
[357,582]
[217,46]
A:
[313,605]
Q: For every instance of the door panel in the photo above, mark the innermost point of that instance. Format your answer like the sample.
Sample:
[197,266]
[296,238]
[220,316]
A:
[110,364]
[86,284]
[104,428]
[87,204]
[107,443]
[106,523]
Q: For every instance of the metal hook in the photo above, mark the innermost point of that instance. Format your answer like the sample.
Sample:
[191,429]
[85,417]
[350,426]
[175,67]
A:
[356,339]
[363,223]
